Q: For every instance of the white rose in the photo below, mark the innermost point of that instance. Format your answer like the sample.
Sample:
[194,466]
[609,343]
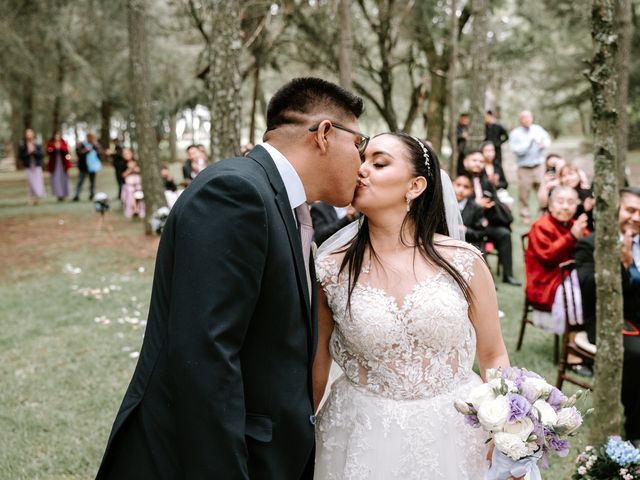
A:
[546,413]
[493,414]
[542,388]
[497,384]
[569,419]
[522,428]
[513,446]
[481,394]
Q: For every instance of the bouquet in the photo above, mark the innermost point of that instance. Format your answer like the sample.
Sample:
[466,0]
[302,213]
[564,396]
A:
[527,418]
[613,459]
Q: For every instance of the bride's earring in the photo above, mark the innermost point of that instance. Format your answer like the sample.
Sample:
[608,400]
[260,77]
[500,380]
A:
[407,199]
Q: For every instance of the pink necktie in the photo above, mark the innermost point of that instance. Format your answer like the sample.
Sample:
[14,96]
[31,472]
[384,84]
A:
[477,187]
[305,228]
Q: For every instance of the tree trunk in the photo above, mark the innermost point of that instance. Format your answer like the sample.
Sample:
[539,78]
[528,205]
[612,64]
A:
[623,59]
[173,154]
[479,74]
[224,78]
[451,96]
[346,44]
[435,110]
[57,101]
[141,101]
[105,122]
[27,107]
[254,104]
[17,130]
[604,91]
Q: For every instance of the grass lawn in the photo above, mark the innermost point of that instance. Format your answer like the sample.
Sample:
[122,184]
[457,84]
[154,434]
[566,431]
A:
[75,295]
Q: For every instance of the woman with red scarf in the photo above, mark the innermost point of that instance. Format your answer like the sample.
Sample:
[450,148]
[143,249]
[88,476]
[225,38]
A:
[552,241]
[58,166]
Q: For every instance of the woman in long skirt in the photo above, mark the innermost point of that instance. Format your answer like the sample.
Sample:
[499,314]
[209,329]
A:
[31,154]
[58,166]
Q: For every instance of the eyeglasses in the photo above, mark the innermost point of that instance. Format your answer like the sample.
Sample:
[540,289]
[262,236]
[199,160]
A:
[361,145]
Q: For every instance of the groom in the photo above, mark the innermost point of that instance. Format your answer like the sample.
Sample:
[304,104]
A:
[222,389]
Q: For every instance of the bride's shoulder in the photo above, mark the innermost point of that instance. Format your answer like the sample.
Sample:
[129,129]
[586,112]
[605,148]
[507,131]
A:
[450,247]
[328,267]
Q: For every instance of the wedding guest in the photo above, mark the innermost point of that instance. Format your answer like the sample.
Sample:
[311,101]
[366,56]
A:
[171,192]
[194,164]
[494,170]
[58,166]
[498,230]
[30,154]
[569,175]
[552,240]
[88,164]
[528,142]
[119,164]
[472,213]
[462,133]
[552,164]
[132,188]
[495,133]
[328,219]
[629,228]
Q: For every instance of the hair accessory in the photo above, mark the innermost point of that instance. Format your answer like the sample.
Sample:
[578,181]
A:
[425,153]
[407,199]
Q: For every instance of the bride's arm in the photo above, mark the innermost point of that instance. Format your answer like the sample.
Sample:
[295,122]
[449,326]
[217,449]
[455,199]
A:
[483,312]
[322,360]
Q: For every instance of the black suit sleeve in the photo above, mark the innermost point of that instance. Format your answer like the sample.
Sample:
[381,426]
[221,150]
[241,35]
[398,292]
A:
[585,267]
[220,252]
[473,221]
[326,223]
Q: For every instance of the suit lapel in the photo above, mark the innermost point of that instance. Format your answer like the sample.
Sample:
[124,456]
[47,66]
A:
[261,156]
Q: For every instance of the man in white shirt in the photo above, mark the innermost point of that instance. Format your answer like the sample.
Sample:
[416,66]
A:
[528,142]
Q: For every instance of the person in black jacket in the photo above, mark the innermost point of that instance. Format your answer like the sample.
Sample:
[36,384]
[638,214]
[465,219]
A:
[328,219]
[472,213]
[496,134]
[493,169]
[498,230]
[629,221]
[223,388]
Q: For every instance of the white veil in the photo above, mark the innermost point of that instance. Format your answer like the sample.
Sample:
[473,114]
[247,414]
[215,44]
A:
[452,214]
[451,209]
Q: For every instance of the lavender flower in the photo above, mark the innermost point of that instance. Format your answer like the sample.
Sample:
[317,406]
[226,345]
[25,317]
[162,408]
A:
[556,399]
[519,407]
[472,420]
[561,447]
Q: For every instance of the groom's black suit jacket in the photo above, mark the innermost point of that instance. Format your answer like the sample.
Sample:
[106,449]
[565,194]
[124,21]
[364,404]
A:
[222,389]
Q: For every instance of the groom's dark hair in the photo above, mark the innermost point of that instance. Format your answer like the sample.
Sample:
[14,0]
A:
[305,96]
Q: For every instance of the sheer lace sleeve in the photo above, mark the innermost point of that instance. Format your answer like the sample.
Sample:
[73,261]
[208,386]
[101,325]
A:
[327,273]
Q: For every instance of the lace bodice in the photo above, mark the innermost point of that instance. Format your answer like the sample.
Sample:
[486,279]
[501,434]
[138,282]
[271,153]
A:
[419,349]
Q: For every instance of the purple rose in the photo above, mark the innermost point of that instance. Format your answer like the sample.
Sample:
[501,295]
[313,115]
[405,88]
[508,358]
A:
[518,406]
[472,420]
[561,447]
[556,399]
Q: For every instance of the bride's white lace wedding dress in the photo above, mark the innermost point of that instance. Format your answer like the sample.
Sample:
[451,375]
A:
[390,415]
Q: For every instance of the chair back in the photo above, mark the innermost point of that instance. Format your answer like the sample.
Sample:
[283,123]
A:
[570,297]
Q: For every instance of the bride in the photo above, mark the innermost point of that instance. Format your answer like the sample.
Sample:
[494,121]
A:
[403,310]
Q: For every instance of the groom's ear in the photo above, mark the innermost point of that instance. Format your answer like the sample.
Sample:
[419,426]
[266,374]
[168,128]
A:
[321,134]
[417,186]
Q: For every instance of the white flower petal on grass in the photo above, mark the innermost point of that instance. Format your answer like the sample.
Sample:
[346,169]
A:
[134,354]
[126,349]
[140,269]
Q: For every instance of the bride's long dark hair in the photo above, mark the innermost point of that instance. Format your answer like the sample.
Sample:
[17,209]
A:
[427,214]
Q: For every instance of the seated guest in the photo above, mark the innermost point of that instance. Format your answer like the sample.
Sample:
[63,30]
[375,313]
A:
[472,213]
[328,219]
[498,230]
[569,175]
[552,240]
[552,164]
[494,171]
[193,165]
[629,223]
[132,198]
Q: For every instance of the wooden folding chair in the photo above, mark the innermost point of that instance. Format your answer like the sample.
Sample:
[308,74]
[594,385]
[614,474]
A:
[572,354]
[524,239]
